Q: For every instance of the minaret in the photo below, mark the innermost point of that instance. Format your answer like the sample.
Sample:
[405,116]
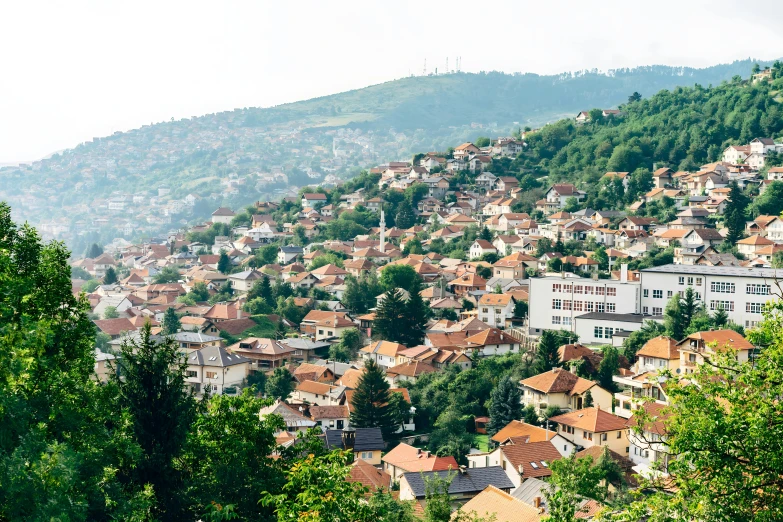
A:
[383,233]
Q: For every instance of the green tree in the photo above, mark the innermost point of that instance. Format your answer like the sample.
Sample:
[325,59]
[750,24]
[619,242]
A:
[720,318]
[279,385]
[673,318]
[415,316]
[327,258]
[482,142]
[199,292]
[390,317]
[110,312]
[575,479]
[168,274]
[485,234]
[635,97]
[547,356]
[609,366]
[588,399]
[370,401]
[450,435]
[506,406]
[405,216]
[224,263]
[398,276]
[110,277]
[262,289]
[770,202]
[348,347]
[171,323]
[151,392]
[734,215]
[90,286]
[93,251]
[689,306]
[634,342]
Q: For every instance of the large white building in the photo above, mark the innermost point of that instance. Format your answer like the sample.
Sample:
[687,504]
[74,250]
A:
[741,292]
[556,301]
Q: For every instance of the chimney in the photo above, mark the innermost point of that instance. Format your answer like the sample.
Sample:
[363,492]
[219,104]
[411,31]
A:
[520,469]
[624,273]
[463,470]
[349,438]
[537,502]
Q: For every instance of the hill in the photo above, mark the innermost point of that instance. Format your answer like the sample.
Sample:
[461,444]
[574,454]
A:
[159,177]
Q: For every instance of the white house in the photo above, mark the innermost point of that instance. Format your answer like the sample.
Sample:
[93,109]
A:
[262,233]
[496,309]
[215,367]
[223,215]
[481,247]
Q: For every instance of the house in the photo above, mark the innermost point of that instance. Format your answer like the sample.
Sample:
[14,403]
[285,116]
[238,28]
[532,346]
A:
[465,150]
[317,393]
[647,446]
[486,180]
[465,484]
[313,199]
[265,353]
[408,371]
[366,443]
[663,177]
[593,426]
[294,420]
[306,349]
[751,245]
[322,325]
[330,417]
[243,281]
[369,476]
[223,215]
[312,372]
[286,254]
[558,194]
[191,341]
[384,353]
[496,309]
[407,459]
[563,389]
[481,247]
[499,506]
[469,282]
[520,459]
[214,366]
[520,431]
[103,366]
[114,328]
[491,341]
[437,186]
[506,183]
[582,117]
[697,347]
[659,354]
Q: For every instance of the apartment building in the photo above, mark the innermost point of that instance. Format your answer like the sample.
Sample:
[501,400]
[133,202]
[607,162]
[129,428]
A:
[740,291]
[555,301]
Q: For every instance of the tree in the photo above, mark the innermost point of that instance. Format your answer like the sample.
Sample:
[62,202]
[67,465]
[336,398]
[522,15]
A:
[547,356]
[168,274]
[485,234]
[673,318]
[467,305]
[171,323]
[506,406]
[110,277]
[415,316]
[689,306]
[482,142]
[734,215]
[447,313]
[90,286]
[110,312]
[770,202]
[151,394]
[370,401]
[262,289]
[634,342]
[573,480]
[224,263]
[348,347]
[405,216]
[279,385]
[327,258]
[398,276]
[609,366]
[720,318]
[93,251]
[390,317]
[588,399]
[635,97]
[451,436]
[199,292]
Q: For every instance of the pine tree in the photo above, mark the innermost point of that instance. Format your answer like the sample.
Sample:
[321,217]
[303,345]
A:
[734,215]
[588,399]
[417,313]
[405,216]
[390,317]
[370,401]
[110,277]
[689,306]
[485,234]
[720,318]
[151,390]
[171,322]
[506,406]
[224,263]
[262,289]
[673,319]
[278,385]
[94,251]
[547,356]
[609,366]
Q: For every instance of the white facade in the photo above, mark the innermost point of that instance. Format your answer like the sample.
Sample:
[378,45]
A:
[599,328]
[555,301]
[741,292]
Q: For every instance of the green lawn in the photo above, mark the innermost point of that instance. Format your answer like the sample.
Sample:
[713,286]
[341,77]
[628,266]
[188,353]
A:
[482,442]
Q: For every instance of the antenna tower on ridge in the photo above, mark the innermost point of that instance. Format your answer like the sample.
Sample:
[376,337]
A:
[425,67]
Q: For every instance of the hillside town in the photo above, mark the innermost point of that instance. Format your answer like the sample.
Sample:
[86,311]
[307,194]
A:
[424,269]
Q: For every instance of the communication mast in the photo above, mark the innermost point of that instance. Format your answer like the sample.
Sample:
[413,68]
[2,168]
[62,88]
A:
[425,67]
[447,65]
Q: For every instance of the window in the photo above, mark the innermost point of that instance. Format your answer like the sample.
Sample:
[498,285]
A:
[619,434]
[589,290]
[681,280]
[485,310]
[668,293]
[598,332]
[566,305]
[211,375]
[566,320]
[728,306]
[534,465]
[604,437]
[556,287]
[646,310]
[698,281]
[611,292]
[721,287]
[657,294]
[657,310]
[192,373]
[557,304]
[497,310]
[608,333]
[555,319]
[578,289]
[610,307]
[567,289]
[588,435]
[320,332]
[577,306]
[690,281]
[753,308]
[600,290]
[588,306]
[756,289]
[599,307]
[751,324]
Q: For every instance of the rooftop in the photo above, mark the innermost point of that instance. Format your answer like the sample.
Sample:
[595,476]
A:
[727,271]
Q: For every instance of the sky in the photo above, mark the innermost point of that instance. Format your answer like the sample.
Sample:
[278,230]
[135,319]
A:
[71,71]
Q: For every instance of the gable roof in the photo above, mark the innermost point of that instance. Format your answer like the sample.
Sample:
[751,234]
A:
[558,380]
[215,356]
[369,476]
[517,428]
[532,458]
[367,439]
[500,506]
[471,480]
[410,459]
[661,347]
[591,419]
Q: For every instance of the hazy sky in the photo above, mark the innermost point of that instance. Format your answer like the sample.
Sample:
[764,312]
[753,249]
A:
[71,70]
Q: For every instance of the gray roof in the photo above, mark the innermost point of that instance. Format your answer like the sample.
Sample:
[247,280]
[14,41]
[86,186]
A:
[470,480]
[292,249]
[215,356]
[337,368]
[195,337]
[101,356]
[623,318]
[246,274]
[721,271]
[367,439]
[529,490]
[301,343]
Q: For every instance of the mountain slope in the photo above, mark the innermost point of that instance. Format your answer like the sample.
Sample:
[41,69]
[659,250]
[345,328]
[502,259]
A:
[150,180]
